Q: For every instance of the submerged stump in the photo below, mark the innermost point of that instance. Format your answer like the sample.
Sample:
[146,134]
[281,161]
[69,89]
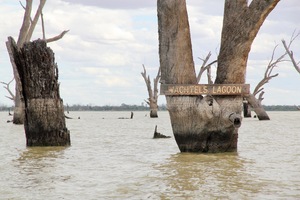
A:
[159,135]
[44,111]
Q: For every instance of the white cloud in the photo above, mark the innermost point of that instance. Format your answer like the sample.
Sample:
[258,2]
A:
[100,59]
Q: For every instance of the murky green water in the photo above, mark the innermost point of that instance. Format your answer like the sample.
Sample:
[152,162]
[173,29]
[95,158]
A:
[112,158]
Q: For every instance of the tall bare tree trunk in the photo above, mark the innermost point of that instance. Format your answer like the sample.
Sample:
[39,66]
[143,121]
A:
[44,111]
[153,94]
[196,120]
[25,35]
[207,124]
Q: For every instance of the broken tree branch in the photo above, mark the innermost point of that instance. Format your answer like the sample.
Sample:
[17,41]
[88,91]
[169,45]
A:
[57,37]
[268,73]
[6,86]
[148,82]
[290,53]
[205,67]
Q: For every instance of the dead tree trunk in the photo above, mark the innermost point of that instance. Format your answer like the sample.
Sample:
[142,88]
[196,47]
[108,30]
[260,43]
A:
[247,109]
[245,20]
[25,35]
[153,94]
[207,124]
[256,103]
[197,122]
[44,111]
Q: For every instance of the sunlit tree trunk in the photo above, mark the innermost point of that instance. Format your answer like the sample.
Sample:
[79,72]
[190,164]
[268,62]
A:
[207,124]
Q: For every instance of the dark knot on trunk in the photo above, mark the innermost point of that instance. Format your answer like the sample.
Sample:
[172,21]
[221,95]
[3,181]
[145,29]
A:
[235,119]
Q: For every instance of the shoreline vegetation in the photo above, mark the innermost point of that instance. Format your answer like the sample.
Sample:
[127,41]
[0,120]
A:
[127,107]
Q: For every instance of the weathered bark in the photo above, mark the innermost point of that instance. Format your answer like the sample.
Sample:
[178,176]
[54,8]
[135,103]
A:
[25,35]
[240,26]
[207,124]
[199,124]
[44,110]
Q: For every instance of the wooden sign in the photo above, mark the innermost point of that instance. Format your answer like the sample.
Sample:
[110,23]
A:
[204,89]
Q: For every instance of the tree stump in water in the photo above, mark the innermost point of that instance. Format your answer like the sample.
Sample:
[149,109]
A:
[207,123]
[44,111]
[159,135]
[247,109]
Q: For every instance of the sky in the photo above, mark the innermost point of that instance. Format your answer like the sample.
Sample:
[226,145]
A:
[100,59]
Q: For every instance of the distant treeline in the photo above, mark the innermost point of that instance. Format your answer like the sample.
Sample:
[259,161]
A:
[126,107]
[122,107]
[281,108]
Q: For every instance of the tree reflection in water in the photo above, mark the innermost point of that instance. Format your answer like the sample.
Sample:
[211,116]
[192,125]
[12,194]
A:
[190,175]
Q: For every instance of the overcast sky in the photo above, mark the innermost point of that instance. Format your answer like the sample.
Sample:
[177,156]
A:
[100,59]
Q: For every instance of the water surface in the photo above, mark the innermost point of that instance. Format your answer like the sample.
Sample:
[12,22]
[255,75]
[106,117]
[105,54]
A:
[113,158]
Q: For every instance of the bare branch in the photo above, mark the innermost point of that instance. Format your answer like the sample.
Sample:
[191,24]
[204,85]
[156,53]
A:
[43,26]
[6,86]
[290,53]
[209,78]
[148,82]
[57,37]
[268,73]
[147,101]
[204,68]
[26,24]
[35,20]
[22,5]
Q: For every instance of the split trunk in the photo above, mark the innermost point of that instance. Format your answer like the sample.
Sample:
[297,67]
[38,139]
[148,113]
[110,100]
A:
[207,123]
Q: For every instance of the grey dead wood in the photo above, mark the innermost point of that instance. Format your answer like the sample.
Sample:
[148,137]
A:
[153,94]
[207,123]
[25,34]
[44,111]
